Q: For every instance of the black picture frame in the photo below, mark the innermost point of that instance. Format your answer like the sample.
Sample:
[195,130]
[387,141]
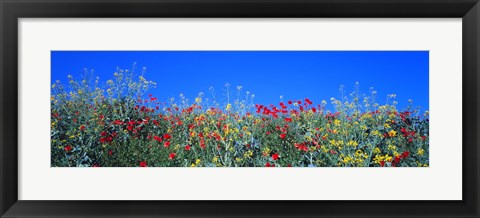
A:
[12,10]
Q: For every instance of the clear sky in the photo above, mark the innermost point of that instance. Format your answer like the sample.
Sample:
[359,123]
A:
[268,74]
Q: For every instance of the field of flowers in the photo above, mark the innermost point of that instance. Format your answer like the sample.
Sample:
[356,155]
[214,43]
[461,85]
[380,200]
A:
[118,124]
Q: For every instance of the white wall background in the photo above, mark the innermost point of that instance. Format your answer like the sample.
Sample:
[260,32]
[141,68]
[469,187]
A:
[441,181]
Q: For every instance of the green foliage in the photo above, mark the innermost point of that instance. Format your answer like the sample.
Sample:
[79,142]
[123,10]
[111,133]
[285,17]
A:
[116,125]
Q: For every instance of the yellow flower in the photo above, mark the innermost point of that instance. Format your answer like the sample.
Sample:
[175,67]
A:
[392,133]
[376,150]
[206,130]
[337,122]
[266,151]
[324,149]
[388,158]
[420,151]
[229,106]
[198,100]
[359,153]
[347,159]
[366,116]
[352,143]
[378,158]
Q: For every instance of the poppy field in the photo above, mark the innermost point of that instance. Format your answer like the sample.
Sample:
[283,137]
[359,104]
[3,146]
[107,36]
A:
[119,124]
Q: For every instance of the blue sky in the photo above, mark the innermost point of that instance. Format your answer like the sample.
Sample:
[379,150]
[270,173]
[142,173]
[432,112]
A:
[268,74]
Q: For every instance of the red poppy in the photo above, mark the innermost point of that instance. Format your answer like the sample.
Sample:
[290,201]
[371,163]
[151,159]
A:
[166,144]
[382,163]
[396,160]
[217,136]
[143,164]
[118,122]
[275,156]
[405,154]
[187,148]
[68,148]
[95,165]
[283,135]
[157,138]
[82,127]
[110,152]
[167,136]
[301,147]
[288,119]
[268,165]
[171,156]
[289,102]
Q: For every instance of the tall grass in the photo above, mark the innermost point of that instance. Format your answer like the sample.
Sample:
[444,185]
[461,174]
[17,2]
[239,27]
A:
[118,124]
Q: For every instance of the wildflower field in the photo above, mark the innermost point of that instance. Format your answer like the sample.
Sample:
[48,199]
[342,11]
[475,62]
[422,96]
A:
[118,124]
